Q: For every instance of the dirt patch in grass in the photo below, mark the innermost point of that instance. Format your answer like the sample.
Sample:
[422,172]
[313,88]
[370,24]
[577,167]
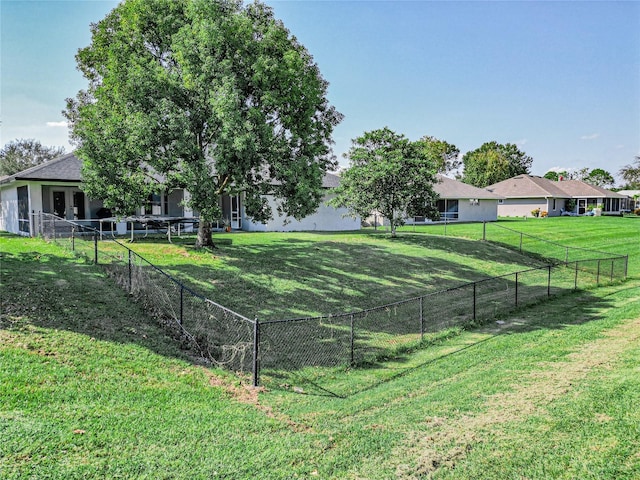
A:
[250,396]
[451,439]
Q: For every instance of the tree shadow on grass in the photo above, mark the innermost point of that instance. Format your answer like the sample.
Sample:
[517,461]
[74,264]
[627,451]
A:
[297,278]
[52,291]
[55,291]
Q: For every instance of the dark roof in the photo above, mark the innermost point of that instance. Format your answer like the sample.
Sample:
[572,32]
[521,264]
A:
[66,168]
[449,188]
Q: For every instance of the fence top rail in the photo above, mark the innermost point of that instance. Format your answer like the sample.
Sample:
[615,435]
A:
[360,311]
[555,243]
[231,312]
[438,292]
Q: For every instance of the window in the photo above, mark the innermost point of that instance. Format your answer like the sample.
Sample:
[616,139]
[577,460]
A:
[448,209]
[554,204]
[157,204]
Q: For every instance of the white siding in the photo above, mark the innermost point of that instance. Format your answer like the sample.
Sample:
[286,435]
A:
[9,209]
[521,207]
[326,218]
[484,210]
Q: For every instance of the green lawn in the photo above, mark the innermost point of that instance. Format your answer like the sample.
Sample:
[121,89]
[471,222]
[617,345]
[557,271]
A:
[92,388]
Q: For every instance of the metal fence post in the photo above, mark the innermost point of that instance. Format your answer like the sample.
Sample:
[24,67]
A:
[575,284]
[130,274]
[516,289]
[181,304]
[549,283]
[475,285]
[520,242]
[484,230]
[256,344]
[73,239]
[612,264]
[352,339]
[95,249]
[421,319]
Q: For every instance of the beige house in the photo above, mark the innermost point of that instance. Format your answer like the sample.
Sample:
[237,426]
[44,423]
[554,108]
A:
[462,202]
[525,194]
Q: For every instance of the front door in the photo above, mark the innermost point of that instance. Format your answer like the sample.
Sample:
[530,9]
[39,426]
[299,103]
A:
[23,209]
[59,204]
[78,206]
[582,206]
[235,212]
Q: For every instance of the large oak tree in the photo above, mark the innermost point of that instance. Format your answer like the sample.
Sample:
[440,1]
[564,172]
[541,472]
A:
[391,175]
[214,96]
[493,163]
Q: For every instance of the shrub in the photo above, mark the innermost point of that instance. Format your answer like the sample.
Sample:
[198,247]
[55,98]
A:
[535,212]
[544,214]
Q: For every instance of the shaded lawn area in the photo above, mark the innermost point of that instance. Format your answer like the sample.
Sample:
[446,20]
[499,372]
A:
[284,275]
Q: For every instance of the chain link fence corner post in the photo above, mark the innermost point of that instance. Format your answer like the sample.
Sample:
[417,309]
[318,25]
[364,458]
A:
[421,319]
[256,352]
[351,339]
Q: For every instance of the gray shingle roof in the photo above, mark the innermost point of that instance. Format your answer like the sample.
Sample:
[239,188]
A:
[576,188]
[528,186]
[450,188]
[330,180]
[66,168]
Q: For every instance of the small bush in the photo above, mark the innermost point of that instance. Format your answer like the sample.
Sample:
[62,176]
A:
[544,214]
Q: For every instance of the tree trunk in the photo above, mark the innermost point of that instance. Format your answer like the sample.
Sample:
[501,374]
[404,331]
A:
[204,235]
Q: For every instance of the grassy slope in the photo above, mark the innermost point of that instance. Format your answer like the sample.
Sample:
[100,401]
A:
[550,394]
[275,276]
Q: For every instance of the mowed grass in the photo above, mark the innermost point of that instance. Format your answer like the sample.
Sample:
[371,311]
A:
[92,388]
[281,275]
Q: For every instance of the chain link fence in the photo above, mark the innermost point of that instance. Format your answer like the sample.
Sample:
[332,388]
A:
[212,331]
[311,351]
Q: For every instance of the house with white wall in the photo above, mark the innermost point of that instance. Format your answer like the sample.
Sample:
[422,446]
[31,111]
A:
[461,202]
[55,187]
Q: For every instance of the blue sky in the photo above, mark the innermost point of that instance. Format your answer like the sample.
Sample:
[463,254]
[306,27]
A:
[559,79]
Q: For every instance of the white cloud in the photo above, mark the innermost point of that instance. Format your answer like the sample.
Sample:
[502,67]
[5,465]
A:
[57,124]
[562,169]
[593,136]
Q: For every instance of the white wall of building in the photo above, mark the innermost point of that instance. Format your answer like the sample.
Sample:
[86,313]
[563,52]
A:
[521,207]
[326,218]
[9,209]
[482,211]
